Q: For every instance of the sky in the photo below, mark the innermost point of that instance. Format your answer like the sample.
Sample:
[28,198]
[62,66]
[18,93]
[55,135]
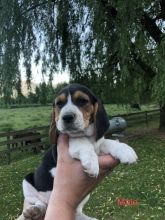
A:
[37,76]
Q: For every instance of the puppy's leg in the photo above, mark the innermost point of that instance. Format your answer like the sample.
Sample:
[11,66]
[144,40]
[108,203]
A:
[82,203]
[79,214]
[36,208]
[82,149]
[121,151]
[21,217]
[25,206]
[35,212]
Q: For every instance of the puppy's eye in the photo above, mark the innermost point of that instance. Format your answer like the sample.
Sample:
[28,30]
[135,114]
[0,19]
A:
[80,101]
[60,104]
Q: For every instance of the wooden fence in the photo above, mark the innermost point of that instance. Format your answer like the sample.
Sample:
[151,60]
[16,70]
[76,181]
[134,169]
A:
[37,138]
[140,117]
[34,139]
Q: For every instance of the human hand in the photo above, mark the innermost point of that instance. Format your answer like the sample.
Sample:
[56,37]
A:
[71,183]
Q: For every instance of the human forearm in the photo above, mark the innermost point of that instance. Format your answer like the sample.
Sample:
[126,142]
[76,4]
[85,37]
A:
[59,209]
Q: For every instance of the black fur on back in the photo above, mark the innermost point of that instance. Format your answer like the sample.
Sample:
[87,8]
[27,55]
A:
[42,179]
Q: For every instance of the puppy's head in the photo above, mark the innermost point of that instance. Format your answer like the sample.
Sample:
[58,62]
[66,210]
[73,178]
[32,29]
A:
[75,109]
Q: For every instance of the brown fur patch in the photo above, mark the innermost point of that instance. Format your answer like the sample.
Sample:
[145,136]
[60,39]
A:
[80,94]
[96,106]
[55,117]
[87,114]
[57,112]
[87,110]
[62,97]
[95,109]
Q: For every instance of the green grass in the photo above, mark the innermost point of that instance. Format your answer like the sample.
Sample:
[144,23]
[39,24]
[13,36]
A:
[143,181]
[113,109]
[21,118]
[11,184]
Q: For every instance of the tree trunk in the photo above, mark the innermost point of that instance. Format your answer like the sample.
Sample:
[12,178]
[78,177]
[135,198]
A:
[162,117]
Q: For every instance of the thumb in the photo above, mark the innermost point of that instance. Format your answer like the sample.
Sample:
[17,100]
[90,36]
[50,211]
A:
[107,162]
[62,145]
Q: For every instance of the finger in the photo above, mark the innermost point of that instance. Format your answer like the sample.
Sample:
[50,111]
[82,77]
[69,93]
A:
[62,145]
[63,140]
[107,162]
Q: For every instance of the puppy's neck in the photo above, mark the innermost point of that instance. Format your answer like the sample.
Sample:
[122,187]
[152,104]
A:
[89,131]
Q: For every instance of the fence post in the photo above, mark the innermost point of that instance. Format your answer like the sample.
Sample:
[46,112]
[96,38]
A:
[146,115]
[8,148]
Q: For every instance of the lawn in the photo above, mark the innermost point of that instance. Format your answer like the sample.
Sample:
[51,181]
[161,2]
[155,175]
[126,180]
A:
[143,182]
[20,118]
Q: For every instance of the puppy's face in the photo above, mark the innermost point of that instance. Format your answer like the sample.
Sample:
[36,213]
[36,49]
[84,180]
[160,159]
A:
[74,110]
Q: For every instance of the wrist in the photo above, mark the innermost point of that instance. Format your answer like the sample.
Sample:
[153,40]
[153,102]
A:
[59,208]
[64,198]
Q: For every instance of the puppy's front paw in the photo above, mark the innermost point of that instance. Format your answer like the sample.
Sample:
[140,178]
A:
[33,213]
[126,154]
[91,165]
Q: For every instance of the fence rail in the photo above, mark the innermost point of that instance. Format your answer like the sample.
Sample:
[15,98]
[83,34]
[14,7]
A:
[139,117]
[35,138]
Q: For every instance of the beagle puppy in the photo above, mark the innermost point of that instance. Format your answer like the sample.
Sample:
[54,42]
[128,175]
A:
[80,114]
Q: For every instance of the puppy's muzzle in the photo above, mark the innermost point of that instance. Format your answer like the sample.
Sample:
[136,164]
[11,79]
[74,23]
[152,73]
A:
[68,118]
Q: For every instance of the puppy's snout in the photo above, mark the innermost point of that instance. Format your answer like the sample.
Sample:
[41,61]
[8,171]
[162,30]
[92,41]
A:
[68,118]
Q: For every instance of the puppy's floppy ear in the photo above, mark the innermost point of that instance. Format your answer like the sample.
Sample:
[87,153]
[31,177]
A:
[53,129]
[101,120]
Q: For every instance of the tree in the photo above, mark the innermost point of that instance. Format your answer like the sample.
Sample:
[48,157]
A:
[116,47]
[40,95]
[43,93]
[50,93]
[33,98]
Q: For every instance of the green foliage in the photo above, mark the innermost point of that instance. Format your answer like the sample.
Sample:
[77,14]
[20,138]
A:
[58,88]
[33,97]
[105,44]
[45,93]
[159,82]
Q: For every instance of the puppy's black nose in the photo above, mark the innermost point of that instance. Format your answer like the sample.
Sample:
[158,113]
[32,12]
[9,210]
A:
[68,118]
